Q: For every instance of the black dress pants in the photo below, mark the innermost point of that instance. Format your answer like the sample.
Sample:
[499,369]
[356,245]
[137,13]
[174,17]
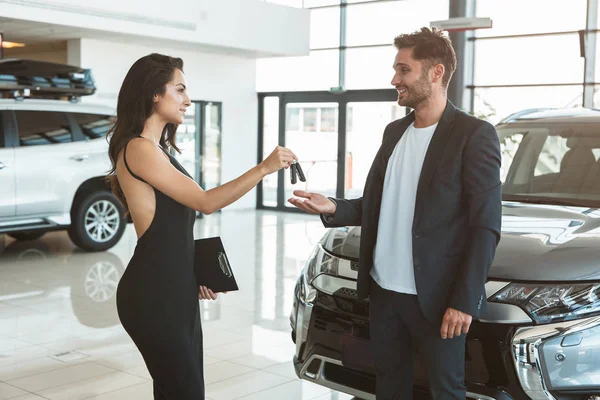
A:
[398,329]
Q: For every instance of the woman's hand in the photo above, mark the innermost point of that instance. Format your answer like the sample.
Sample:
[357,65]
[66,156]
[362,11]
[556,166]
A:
[205,293]
[281,157]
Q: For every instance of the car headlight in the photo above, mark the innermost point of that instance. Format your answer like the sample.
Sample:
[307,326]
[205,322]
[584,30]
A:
[319,262]
[553,303]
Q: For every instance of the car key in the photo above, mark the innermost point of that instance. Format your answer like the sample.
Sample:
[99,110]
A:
[293,173]
[299,171]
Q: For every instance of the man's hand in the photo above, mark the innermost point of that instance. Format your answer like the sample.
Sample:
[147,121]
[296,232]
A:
[455,323]
[205,293]
[315,203]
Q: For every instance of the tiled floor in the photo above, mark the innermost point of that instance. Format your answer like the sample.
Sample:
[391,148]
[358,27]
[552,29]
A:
[60,336]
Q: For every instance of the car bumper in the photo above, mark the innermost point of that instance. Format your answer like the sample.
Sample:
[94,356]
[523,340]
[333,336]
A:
[504,360]
[560,360]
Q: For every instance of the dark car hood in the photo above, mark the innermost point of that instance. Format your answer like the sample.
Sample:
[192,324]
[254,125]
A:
[539,243]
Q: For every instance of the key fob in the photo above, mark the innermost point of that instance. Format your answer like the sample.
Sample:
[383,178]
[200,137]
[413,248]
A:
[293,172]
[300,172]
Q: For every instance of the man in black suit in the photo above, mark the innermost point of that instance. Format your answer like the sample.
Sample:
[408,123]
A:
[430,217]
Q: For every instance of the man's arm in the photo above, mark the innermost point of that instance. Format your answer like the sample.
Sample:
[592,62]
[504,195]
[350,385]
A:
[483,192]
[340,212]
[347,213]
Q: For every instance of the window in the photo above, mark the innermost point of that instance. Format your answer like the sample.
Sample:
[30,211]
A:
[289,3]
[317,118]
[370,68]
[316,144]
[318,71]
[305,3]
[551,156]
[2,143]
[551,159]
[329,117]
[596,96]
[43,127]
[319,3]
[398,112]
[349,118]
[325,28]
[293,119]
[363,140]
[378,23]
[508,21]
[494,104]
[509,143]
[270,141]
[528,60]
[310,119]
[94,126]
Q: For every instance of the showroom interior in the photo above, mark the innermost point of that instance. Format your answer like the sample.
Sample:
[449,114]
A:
[313,76]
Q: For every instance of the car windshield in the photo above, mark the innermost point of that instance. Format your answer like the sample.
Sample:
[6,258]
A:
[551,163]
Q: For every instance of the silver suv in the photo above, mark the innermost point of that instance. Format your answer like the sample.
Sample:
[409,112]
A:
[53,156]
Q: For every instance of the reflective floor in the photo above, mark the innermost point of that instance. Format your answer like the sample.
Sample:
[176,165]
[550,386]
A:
[60,335]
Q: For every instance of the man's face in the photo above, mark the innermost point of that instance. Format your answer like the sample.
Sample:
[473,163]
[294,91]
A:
[411,79]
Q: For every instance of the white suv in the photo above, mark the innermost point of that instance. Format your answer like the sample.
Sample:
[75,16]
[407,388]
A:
[53,160]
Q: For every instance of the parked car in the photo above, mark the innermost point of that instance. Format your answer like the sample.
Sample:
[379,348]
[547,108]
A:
[53,156]
[540,337]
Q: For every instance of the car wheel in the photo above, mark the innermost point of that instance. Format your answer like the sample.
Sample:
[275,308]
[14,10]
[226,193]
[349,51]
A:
[97,221]
[26,235]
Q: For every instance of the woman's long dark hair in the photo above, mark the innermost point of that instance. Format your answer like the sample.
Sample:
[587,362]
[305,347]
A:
[146,78]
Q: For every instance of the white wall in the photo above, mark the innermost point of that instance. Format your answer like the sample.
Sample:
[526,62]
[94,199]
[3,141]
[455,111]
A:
[229,79]
[245,26]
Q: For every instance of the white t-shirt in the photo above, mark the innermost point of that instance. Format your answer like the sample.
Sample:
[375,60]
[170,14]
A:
[393,261]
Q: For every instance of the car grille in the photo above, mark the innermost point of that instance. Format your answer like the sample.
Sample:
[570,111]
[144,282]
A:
[346,293]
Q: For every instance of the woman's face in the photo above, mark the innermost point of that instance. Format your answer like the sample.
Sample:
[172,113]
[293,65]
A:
[172,104]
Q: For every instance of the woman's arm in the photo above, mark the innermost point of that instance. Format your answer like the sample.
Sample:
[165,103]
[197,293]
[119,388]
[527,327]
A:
[149,162]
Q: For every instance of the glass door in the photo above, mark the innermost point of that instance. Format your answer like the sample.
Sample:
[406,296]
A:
[311,132]
[187,141]
[199,139]
[267,188]
[334,135]
[365,123]
[210,145]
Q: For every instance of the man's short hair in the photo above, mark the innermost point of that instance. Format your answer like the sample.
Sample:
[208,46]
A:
[431,46]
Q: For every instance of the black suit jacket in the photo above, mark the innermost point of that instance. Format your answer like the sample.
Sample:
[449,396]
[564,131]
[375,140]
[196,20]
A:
[457,216]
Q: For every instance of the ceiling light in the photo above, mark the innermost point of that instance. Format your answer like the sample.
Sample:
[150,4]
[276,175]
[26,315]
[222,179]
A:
[10,45]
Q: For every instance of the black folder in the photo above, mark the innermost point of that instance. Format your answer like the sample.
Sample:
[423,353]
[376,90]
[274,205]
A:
[212,267]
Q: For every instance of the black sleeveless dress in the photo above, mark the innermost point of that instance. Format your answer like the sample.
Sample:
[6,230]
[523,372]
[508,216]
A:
[157,300]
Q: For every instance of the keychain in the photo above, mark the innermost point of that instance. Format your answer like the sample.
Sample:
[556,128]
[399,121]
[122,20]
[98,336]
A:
[296,170]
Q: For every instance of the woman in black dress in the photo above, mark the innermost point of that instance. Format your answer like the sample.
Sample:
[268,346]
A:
[157,297]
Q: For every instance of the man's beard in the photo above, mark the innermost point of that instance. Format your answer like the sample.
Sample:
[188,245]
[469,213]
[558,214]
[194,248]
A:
[418,93]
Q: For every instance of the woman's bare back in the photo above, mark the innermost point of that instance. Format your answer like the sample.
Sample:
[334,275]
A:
[141,199]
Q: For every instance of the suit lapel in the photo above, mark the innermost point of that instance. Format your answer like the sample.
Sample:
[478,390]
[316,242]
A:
[434,153]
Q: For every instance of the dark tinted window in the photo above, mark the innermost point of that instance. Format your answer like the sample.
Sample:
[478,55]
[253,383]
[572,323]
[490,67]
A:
[43,127]
[94,126]
[551,161]
[2,144]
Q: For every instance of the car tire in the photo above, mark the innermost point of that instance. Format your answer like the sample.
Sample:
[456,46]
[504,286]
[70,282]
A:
[97,221]
[27,235]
